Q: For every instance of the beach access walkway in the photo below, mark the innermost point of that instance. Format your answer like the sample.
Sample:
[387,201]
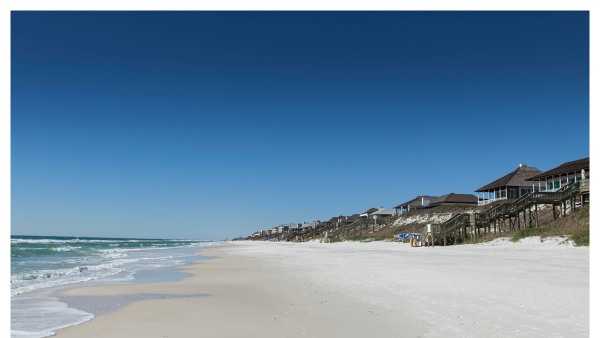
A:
[506,216]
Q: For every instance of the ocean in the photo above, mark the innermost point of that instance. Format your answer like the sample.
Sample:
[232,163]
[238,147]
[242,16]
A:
[42,265]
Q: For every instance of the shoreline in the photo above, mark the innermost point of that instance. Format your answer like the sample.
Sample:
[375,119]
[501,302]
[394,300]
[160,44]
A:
[41,311]
[527,289]
[246,297]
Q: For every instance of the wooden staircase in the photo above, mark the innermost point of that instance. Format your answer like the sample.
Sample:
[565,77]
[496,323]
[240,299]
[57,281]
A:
[511,211]
[363,224]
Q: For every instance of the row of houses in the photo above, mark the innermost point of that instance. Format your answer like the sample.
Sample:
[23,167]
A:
[428,202]
[513,185]
[286,228]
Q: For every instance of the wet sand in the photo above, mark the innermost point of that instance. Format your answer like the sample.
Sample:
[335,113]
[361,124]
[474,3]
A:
[249,297]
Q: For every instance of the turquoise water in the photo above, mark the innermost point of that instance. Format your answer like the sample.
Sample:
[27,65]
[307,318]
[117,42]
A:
[39,262]
[41,265]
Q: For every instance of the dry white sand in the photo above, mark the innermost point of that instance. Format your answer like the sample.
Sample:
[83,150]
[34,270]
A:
[380,289]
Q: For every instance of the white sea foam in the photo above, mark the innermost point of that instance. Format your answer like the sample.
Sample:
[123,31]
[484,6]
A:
[67,248]
[40,316]
[59,241]
[49,278]
[46,280]
[109,263]
[27,334]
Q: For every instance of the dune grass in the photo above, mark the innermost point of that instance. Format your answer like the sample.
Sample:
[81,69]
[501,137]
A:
[576,227]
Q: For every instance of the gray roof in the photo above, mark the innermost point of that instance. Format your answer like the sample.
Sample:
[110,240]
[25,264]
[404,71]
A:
[383,211]
[416,202]
[454,198]
[568,167]
[515,179]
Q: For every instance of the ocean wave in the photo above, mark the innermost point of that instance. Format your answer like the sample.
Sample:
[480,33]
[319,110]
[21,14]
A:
[67,248]
[100,241]
[32,252]
[46,283]
[48,278]
[58,241]
[81,263]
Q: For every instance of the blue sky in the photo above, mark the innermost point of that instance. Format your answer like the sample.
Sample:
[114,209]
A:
[209,125]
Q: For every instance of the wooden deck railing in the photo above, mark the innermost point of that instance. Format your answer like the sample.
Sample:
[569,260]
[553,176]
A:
[490,200]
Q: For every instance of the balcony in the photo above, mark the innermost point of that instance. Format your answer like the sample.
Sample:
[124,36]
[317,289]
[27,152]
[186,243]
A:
[484,201]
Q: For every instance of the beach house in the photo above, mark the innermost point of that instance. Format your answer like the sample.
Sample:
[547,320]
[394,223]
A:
[333,221]
[378,213]
[342,220]
[426,202]
[294,227]
[349,219]
[417,203]
[453,199]
[510,186]
[554,179]
[367,213]
[322,224]
[311,225]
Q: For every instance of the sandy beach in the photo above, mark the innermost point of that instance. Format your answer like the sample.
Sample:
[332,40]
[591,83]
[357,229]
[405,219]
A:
[379,289]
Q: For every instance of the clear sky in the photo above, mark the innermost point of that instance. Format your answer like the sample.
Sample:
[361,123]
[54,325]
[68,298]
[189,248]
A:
[208,125]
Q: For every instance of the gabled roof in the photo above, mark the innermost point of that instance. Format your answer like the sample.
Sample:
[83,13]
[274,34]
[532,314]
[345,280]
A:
[405,204]
[516,178]
[417,202]
[567,167]
[351,219]
[454,198]
[345,219]
[383,211]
